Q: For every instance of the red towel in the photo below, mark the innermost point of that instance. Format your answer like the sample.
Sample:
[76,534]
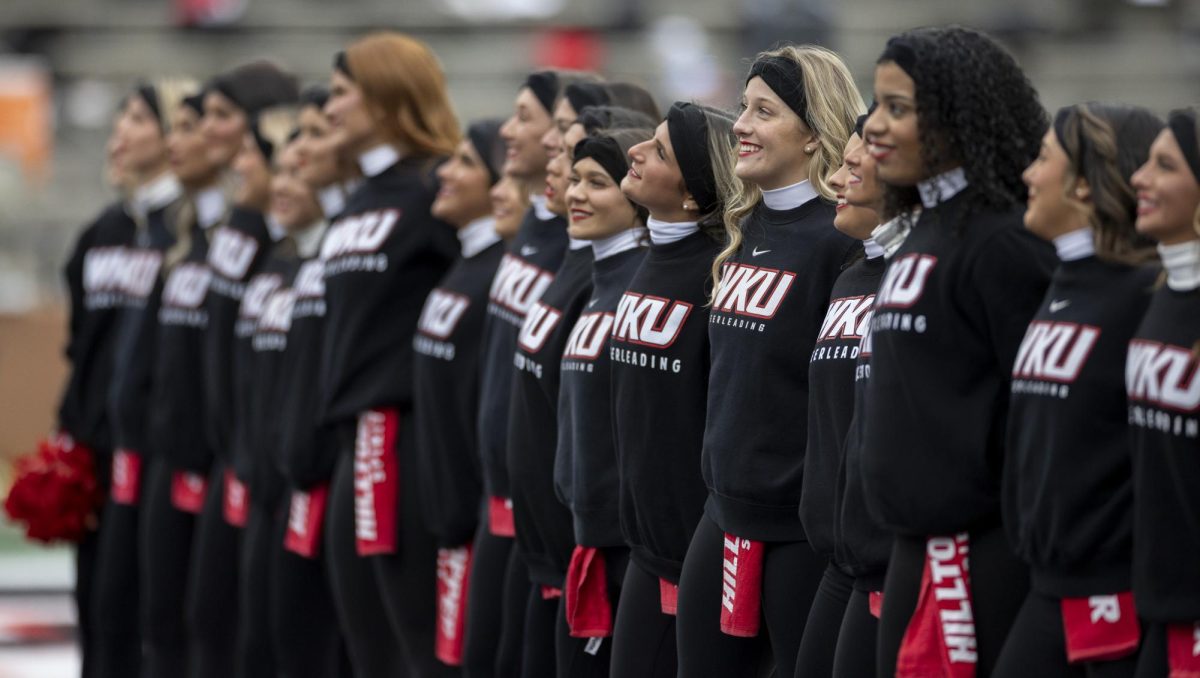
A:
[126,477]
[668,597]
[589,613]
[453,572]
[875,603]
[1183,650]
[236,500]
[376,482]
[500,517]
[306,516]
[1100,628]
[741,592]
[187,491]
[940,639]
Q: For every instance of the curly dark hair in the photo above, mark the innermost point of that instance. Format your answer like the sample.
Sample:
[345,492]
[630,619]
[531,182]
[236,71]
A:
[975,108]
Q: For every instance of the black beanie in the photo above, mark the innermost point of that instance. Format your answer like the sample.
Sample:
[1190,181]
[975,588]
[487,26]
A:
[256,86]
[485,137]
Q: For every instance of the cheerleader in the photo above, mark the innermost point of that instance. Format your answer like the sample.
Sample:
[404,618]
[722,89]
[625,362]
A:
[143,128]
[238,247]
[446,376]
[304,624]
[660,359]
[174,489]
[1164,402]
[957,120]
[1069,369]
[388,107]
[95,295]
[831,372]
[256,357]
[748,559]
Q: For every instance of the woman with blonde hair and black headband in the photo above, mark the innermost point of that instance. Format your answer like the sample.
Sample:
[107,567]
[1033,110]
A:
[389,108]
[1164,407]
[1068,492]
[749,560]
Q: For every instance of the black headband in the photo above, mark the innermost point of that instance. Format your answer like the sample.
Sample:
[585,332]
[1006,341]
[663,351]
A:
[149,94]
[1182,122]
[316,95]
[786,79]
[688,127]
[1060,132]
[605,151]
[900,52]
[860,123]
[584,94]
[485,137]
[196,102]
[340,63]
[544,85]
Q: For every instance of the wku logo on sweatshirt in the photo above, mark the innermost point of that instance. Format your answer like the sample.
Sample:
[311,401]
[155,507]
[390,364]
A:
[359,234]
[649,321]
[518,284]
[752,291]
[588,336]
[1162,375]
[442,312]
[186,286]
[1054,351]
[277,311]
[847,318]
[231,252]
[310,280]
[121,270]
[539,323]
[257,292]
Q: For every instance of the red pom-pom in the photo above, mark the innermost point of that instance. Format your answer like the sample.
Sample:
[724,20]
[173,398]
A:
[55,493]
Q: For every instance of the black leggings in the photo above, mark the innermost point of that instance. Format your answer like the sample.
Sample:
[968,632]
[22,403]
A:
[495,614]
[998,581]
[1153,660]
[1036,646]
[587,657]
[373,650]
[87,553]
[116,638]
[212,602]
[855,653]
[165,547]
[815,657]
[255,652]
[791,574]
[644,637]
[541,622]
[305,635]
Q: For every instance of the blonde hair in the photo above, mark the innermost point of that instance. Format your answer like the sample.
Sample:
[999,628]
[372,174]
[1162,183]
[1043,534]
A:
[404,88]
[833,105]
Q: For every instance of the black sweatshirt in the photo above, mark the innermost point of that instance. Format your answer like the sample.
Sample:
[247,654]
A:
[96,278]
[259,345]
[307,451]
[660,361]
[382,257]
[1164,418]
[446,369]
[764,321]
[177,412]
[949,316]
[1068,499]
[543,524]
[831,377]
[585,467]
[236,251]
[524,274]
[129,397]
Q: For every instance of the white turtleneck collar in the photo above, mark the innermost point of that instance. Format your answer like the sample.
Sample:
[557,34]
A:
[616,244]
[872,248]
[574,244]
[156,195]
[540,210]
[789,197]
[210,207]
[477,236]
[941,188]
[274,228]
[666,232]
[1182,263]
[1078,244]
[375,161]
[308,240]
[332,199]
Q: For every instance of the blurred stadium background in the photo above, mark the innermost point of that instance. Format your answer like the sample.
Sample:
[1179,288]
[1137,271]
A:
[64,65]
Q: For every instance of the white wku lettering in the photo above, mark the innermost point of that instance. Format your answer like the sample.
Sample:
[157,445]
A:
[441,314]
[588,336]
[847,318]
[310,280]
[1162,374]
[518,284]
[905,280]
[260,287]
[277,313]
[186,286]
[538,325]
[752,291]
[359,234]
[1054,351]
[231,253]
[649,321]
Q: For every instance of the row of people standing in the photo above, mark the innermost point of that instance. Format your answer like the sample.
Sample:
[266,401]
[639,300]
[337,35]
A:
[739,393]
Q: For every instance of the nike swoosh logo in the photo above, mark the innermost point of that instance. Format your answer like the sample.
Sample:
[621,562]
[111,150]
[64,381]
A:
[527,250]
[1056,306]
[593,302]
[755,252]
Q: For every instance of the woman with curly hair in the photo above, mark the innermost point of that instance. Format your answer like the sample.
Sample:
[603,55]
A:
[956,124]
[1068,493]
[1164,399]
[389,108]
[748,560]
